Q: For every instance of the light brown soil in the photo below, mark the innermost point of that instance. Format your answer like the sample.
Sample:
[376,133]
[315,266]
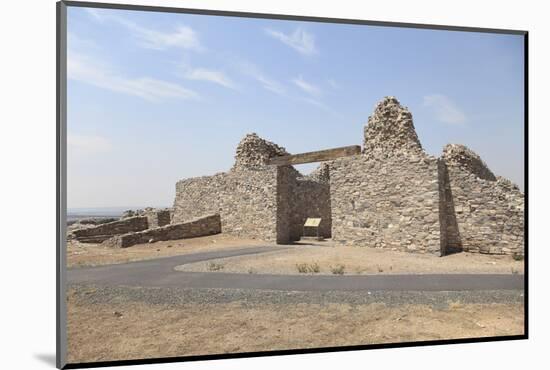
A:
[361,260]
[101,332]
[86,254]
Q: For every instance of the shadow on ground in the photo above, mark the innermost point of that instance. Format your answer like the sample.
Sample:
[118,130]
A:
[47,358]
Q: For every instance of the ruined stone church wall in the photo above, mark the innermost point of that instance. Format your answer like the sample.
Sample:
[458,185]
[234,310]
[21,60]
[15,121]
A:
[486,212]
[255,199]
[394,203]
[246,200]
[393,195]
[251,198]
[389,196]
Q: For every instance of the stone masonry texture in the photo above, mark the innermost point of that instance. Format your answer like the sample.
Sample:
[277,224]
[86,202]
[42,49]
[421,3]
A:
[208,225]
[392,203]
[102,232]
[486,212]
[256,200]
[245,198]
[393,195]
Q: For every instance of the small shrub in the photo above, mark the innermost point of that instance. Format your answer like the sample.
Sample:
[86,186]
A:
[380,269]
[514,271]
[517,257]
[304,268]
[251,271]
[314,268]
[213,266]
[453,305]
[338,269]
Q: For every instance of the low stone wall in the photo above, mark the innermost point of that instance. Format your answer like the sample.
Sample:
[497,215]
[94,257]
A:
[203,226]
[102,232]
[157,218]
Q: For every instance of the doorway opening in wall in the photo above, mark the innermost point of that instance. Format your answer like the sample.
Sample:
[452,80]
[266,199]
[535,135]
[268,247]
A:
[301,197]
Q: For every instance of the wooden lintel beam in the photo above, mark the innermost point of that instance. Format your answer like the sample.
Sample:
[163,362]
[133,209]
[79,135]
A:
[319,156]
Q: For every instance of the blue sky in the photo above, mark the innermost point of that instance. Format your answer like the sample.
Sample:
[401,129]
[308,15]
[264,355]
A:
[157,97]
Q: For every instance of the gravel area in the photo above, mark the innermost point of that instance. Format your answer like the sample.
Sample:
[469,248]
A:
[175,296]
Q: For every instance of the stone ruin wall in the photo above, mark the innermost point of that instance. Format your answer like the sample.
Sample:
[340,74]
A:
[393,195]
[208,225]
[157,218]
[102,232]
[256,200]
[245,197]
[392,204]
[388,196]
[485,212]
[396,196]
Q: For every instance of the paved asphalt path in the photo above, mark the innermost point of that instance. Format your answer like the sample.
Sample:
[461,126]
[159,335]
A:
[160,273]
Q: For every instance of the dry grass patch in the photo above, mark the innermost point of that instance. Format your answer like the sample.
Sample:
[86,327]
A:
[102,332]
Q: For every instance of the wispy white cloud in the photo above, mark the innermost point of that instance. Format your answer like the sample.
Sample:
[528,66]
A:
[75,42]
[320,105]
[308,87]
[445,109]
[333,84]
[300,40]
[209,75]
[87,144]
[181,37]
[86,69]
[268,83]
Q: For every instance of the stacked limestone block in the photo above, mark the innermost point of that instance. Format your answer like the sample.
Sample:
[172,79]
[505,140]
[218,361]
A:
[390,131]
[157,217]
[203,226]
[253,152]
[388,197]
[486,212]
[98,234]
[462,157]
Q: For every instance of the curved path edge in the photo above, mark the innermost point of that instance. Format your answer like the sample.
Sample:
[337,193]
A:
[160,273]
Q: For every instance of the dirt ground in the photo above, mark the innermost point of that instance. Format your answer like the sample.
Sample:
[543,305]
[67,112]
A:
[87,254]
[116,331]
[330,259]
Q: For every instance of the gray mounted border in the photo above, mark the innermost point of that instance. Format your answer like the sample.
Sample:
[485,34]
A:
[61,186]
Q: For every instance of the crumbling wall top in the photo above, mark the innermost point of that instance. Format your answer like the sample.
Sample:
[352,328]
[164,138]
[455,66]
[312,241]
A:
[254,152]
[321,173]
[390,130]
[463,157]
